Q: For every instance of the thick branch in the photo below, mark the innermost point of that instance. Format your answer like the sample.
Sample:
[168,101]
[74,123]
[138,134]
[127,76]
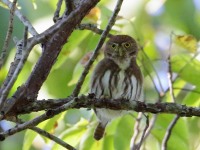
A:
[117,104]
[51,50]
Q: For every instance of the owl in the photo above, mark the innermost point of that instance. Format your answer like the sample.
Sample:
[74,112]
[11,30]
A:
[116,76]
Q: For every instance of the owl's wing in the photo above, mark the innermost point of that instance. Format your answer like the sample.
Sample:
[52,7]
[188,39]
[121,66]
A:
[101,77]
[135,71]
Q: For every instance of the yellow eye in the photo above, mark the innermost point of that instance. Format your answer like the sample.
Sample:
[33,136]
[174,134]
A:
[127,45]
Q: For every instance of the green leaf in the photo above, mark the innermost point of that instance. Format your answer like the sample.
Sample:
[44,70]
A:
[108,143]
[187,68]
[3,5]
[28,139]
[87,141]
[72,116]
[179,136]
[193,98]
[73,134]
[124,129]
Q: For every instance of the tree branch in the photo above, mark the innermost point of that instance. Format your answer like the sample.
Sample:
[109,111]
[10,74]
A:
[116,104]
[91,102]
[51,50]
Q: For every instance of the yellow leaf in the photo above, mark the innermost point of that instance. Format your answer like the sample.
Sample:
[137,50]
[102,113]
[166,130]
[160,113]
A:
[187,41]
[94,14]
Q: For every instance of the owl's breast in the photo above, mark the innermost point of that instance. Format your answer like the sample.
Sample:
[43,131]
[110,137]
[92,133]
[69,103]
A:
[124,86]
[117,85]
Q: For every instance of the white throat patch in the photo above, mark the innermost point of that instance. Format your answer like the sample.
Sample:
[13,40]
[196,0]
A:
[124,64]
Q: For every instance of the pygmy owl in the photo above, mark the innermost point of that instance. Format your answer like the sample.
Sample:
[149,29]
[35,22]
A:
[116,76]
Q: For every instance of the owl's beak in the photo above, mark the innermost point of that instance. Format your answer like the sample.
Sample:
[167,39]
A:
[120,51]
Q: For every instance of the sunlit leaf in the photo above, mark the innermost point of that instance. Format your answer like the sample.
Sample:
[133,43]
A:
[188,42]
[124,129]
[179,135]
[193,97]
[86,58]
[3,5]
[94,14]
[72,116]
[73,134]
[87,141]
[187,68]
[76,74]
[28,139]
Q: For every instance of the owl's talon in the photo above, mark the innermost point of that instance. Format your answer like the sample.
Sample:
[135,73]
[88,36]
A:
[91,95]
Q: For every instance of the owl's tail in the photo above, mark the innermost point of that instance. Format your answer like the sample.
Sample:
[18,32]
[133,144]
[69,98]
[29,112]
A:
[99,131]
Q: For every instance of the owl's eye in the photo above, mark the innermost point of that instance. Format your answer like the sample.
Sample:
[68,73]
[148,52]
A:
[127,45]
[113,46]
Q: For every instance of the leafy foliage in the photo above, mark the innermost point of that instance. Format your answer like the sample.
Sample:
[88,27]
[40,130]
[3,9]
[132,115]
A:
[152,28]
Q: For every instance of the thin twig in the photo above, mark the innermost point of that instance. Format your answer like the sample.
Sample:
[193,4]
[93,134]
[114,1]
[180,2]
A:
[57,12]
[45,134]
[134,144]
[168,132]
[170,75]
[143,133]
[158,78]
[151,125]
[185,89]
[11,78]
[22,18]
[53,138]
[8,35]
[13,74]
[25,37]
[134,138]
[93,28]
[98,47]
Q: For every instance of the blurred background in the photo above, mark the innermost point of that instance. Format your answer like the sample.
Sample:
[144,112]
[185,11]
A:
[161,27]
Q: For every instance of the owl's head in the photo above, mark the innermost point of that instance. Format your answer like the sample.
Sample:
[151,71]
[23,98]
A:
[121,47]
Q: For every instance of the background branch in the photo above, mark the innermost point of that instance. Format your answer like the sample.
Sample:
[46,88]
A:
[168,132]
[9,33]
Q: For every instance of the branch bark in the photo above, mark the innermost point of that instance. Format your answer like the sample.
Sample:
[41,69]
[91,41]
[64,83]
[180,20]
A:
[117,104]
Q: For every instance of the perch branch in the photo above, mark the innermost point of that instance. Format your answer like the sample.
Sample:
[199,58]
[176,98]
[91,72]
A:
[116,104]
[119,104]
